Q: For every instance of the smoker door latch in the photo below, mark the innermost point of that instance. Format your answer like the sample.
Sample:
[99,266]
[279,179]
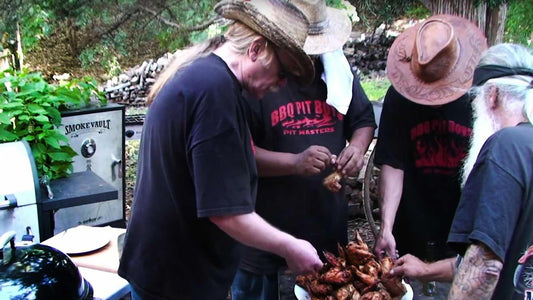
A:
[28,237]
[8,201]
[116,168]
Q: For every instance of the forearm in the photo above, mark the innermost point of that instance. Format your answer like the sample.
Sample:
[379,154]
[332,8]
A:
[441,270]
[270,163]
[391,186]
[252,230]
[411,266]
[362,137]
[477,274]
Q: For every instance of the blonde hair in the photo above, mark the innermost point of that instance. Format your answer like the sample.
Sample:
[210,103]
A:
[239,38]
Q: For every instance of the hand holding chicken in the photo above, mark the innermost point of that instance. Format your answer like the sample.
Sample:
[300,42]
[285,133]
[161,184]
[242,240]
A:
[355,274]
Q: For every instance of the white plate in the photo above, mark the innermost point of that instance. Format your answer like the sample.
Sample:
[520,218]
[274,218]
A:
[301,294]
[79,240]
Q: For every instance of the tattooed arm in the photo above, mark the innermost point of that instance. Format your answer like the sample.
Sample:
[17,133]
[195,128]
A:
[477,275]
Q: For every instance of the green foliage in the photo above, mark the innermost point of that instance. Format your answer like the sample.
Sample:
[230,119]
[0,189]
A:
[519,23]
[417,11]
[31,21]
[375,89]
[101,36]
[35,27]
[335,3]
[30,110]
[373,13]
[490,3]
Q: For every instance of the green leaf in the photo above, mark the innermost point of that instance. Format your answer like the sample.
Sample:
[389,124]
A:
[36,109]
[54,114]
[17,112]
[60,156]
[60,137]
[36,152]
[53,142]
[69,150]
[13,105]
[5,118]
[42,119]
[47,126]
[7,136]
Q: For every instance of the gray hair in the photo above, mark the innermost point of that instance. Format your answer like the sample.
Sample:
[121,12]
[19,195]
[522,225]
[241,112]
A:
[516,91]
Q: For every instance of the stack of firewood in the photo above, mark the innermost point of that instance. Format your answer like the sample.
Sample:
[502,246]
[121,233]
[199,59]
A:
[369,54]
[131,88]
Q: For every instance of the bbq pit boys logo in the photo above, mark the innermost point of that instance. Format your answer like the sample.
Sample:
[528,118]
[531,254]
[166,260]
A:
[76,129]
[307,117]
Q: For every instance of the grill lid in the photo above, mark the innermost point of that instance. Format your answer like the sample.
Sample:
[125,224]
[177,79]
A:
[39,272]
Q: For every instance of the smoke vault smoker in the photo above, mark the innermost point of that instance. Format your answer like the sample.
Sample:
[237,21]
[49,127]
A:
[94,193]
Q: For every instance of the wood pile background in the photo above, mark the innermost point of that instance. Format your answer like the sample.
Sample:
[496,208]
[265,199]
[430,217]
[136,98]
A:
[131,88]
[368,55]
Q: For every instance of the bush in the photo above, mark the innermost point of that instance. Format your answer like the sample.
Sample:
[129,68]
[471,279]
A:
[518,26]
[30,109]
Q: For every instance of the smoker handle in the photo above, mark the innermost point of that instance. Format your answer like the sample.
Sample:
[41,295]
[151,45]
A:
[8,237]
[117,164]
[9,201]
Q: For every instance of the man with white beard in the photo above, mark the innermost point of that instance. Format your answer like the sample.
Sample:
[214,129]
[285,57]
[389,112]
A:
[492,229]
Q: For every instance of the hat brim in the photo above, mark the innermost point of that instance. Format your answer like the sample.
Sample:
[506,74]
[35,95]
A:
[292,56]
[335,35]
[471,43]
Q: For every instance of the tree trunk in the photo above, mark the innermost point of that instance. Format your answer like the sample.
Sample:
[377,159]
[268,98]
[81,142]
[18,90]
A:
[72,37]
[495,24]
[490,21]
[19,56]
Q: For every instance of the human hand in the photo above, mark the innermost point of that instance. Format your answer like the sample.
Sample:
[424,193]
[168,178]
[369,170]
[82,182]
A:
[350,161]
[386,245]
[312,160]
[302,257]
[410,266]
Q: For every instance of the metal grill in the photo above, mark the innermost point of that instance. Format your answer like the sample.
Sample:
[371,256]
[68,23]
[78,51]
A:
[137,119]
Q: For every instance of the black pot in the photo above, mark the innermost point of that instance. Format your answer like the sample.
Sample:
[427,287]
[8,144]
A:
[39,272]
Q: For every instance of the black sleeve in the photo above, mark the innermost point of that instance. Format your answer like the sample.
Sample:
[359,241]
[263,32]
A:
[360,112]
[391,147]
[220,150]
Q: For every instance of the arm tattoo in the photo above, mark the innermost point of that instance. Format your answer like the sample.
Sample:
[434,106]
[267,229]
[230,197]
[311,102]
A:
[477,275]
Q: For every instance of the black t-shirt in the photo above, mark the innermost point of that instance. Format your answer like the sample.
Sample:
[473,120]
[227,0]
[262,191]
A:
[290,121]
[196,160]
[428,144]
[496,208]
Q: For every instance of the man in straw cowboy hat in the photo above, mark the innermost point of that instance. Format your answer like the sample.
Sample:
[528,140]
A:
[492,225]
[196,185]
[299,131]
[424,132]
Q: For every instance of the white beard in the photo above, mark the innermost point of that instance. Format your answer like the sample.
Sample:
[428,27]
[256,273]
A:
[484,126]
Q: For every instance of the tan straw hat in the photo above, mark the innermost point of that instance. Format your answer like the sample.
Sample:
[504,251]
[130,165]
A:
[433,62]
[329,28]
[281,23]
